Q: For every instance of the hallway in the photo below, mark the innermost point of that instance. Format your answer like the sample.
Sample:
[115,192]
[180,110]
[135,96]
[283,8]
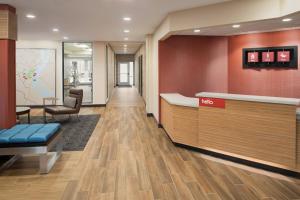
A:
[128,157]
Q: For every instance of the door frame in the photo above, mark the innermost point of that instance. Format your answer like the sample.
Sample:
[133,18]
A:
[141,75]
[119,74]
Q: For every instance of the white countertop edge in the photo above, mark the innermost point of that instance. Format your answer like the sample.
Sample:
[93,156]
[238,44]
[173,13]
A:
[180,100]
[239,97]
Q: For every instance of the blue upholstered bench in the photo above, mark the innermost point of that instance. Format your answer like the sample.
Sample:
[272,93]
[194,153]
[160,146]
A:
[32,139]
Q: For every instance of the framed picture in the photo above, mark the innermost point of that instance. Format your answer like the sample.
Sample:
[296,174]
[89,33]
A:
[285,57]
[268,56]
[252,57]
[35,75]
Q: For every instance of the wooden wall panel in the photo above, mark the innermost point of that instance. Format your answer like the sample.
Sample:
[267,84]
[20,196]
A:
[180,123]
[167,118]
[266,132]
[298,145]
[8,25]
[185,125]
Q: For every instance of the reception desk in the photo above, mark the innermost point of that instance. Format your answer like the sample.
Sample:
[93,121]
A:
[179,114]
[255,128]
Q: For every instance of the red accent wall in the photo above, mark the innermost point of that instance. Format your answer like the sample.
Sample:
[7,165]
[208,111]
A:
[191,64]
[266,82]
[7,83]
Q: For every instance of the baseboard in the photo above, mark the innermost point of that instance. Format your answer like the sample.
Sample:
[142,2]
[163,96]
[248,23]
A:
[32,106]
[41,106]
[150,115]
[94,105]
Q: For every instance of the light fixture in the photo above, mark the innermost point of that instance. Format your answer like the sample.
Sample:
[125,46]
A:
[80,45]
[126,38]
[236,26]
[30,16]
[126,31]
[286,19]
[65,38]
[127,19]
[125,45]
[55,30]
[196,30]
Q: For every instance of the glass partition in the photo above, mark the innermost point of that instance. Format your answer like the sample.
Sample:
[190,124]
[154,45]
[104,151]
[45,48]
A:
[78,69]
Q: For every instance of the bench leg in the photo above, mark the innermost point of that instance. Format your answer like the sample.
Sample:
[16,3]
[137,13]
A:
[45,117]
[47,160]
[10,162]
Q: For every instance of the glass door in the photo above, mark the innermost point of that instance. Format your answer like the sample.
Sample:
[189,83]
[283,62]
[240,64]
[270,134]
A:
[124,74]
[78,69]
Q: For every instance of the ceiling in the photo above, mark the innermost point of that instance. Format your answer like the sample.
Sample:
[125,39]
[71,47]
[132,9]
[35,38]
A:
[94,20]
[249,27]
[131,47]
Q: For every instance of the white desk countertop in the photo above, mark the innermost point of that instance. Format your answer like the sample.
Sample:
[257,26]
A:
[180,100]
[239,97]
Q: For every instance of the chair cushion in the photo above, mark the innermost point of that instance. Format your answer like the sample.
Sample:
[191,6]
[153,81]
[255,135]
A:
[70,102]
[60,110]
[28,133]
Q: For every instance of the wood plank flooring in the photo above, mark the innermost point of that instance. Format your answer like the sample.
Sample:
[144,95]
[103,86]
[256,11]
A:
[128,157]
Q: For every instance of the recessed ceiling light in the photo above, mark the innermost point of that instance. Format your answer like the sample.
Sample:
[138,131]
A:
[126,38]
[66,38]
[126,31]
[127,19]
[80,45]
[55,30]
[196,30]
[30,16]
[286,19]
[236,26]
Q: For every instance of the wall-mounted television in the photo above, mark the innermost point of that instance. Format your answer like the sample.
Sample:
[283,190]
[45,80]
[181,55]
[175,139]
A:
[271,57]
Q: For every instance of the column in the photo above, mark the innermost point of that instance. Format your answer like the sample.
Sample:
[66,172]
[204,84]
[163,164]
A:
[8,36]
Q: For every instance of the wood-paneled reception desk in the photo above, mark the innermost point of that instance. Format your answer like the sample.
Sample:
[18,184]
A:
[255,128]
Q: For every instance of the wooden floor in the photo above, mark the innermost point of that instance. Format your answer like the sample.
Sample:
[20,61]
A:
[128,157]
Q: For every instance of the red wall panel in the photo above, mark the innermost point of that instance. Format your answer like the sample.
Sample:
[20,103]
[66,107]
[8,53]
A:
[266,82]
[191,64]
[7,83]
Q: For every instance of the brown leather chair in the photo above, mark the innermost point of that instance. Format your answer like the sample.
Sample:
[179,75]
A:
[64,110]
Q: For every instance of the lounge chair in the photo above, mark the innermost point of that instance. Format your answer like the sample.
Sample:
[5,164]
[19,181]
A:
[71,105]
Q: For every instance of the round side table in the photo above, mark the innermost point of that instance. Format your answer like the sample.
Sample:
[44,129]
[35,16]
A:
[23,111]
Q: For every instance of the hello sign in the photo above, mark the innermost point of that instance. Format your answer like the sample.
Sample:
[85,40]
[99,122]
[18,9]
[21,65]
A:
[212,102]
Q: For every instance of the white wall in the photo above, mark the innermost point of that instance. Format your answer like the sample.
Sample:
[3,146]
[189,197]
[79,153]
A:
[149,60]
[111,70]
[152,51]
[99,67]
[99,73]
